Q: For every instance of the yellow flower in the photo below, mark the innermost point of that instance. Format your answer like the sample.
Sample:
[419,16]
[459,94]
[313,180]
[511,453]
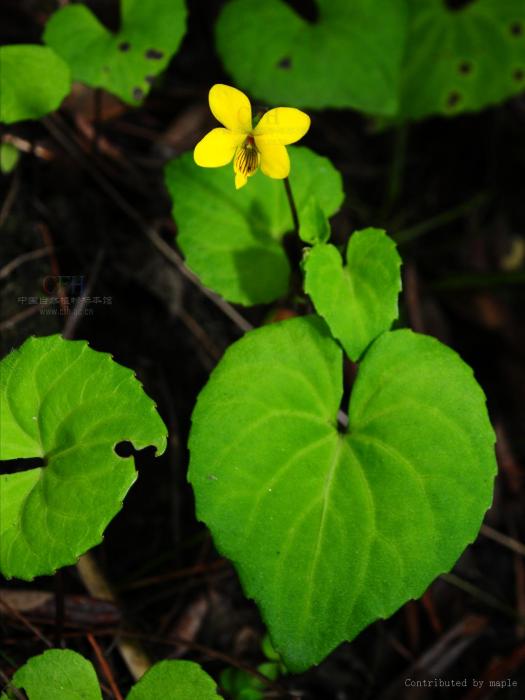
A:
[250,148]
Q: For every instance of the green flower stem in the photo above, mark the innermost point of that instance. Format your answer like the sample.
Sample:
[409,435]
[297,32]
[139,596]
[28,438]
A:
[291,202]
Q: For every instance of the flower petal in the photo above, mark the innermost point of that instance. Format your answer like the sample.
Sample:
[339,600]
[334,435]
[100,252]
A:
[283,125]
[216,148]
[275,161]
[231,107]
[240,180]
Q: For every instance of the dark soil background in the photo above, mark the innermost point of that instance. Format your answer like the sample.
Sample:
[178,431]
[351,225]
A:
[452,192]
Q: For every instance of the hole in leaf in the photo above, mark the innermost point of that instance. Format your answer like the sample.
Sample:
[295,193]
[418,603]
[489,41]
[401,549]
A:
[138,93]
[124,46]
[516,28]
[307,9]
[456,5]
[465,67]
[154,54]
[453,99]
[13,466]
[285,62]
[150,79]
[125,449]
[519,75]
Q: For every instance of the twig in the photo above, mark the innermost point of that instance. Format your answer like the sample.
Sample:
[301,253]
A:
[174,575]
[6,270]
[13,611]
[503,540]
[171,254]
[20,316]
[126,208]
[446,217]
[97,585]
[60,609]
[9,686]
[55,268]
[10,199]
[211,653]
[104,666]
[76,313]
[486,598]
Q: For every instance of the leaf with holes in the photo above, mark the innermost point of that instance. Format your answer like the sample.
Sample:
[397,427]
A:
[462,59]
[33,82]
[331,531]
[124,63]
[70,406]
[233,239]
[357,300]
[350,56]
[60,674]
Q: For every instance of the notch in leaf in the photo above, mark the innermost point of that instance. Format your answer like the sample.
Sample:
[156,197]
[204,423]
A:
[70,405]
[357,300]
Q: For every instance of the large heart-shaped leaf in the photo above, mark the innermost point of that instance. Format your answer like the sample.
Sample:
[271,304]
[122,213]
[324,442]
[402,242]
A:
[69,405]
[61,674]
[329,531]
[232,238]
[350,57]
[357,300]
[124,63]
[33,82]
[463,59]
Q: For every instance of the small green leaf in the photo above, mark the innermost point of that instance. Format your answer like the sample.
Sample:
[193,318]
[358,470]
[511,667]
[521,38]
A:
[69,405]
[33,82]
[464,59]
[369,518]
[358,300]
[124,63]
[232,238]
[58,674]
[350,57]
[313,225]
[9,156]
[175,680]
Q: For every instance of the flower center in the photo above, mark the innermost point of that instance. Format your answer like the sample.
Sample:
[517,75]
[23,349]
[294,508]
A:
[247,158]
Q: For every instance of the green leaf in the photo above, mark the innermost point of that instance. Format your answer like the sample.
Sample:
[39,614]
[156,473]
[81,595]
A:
[124,63]
[368,518]
[464,59]
[58,674]
[175,680]
[357,300]
[69,405]
[33,82]
[350,57]
[9,156]
[232,238]
[313,226]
